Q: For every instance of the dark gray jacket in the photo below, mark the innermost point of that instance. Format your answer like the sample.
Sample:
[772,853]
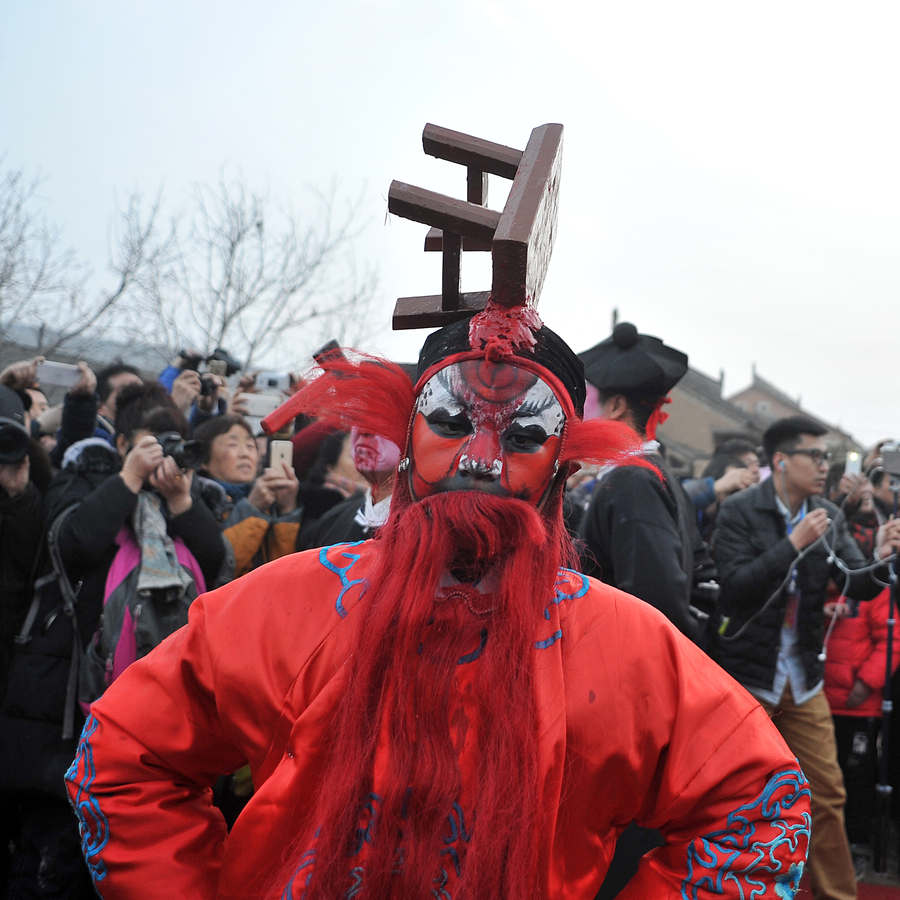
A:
[753,555]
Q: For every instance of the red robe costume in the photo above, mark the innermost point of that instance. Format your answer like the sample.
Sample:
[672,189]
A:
[636,724]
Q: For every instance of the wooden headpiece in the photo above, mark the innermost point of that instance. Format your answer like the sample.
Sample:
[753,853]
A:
[520,238]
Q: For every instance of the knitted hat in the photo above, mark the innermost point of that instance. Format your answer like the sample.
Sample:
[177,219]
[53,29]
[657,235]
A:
[13,435]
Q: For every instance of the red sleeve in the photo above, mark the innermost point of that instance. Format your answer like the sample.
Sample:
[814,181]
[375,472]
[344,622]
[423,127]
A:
[176,720]
[736,826]
[871,672]
[700,761]
[148,827]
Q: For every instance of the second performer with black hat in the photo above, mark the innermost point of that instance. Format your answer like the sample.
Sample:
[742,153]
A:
[639,531]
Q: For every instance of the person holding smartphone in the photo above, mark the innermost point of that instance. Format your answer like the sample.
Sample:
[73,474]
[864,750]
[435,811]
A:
[774,547]
[259,512]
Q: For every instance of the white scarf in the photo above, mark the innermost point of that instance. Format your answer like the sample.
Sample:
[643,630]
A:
[373,515]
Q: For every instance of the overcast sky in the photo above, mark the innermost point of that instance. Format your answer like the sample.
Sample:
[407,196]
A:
[731,171]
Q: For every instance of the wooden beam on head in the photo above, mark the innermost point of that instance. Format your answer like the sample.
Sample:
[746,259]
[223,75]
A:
[429,312]
[476,186]
[523,240]
[520,238]
[434,242]
[448,213]
[450,271]
[497,159]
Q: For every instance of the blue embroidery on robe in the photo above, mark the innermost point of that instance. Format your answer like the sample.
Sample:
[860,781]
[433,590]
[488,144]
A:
[366,835]
[757,847]
[458,834]
[342,571]
[357,875]
[471,657]
[93,826]
[559,595]
[307,860]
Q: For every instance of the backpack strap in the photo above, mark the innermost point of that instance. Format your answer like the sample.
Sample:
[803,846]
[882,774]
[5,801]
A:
[58,574]
[69,594]
[24,635]
[70,598]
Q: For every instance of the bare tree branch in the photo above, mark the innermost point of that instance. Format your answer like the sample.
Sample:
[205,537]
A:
[254,278]
[43,284]
[34,267]
[239,272]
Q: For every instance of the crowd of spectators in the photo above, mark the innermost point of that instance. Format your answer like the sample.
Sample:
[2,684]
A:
[178,469]
[169,470]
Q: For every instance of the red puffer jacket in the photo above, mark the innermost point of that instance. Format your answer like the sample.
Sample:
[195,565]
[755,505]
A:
[857,649]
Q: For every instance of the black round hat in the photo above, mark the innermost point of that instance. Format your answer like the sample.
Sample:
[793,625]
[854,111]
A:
[631,363]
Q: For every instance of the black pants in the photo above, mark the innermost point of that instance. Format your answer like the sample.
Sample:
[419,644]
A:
[45,858]
[894,746]
[633,843]
[856,738]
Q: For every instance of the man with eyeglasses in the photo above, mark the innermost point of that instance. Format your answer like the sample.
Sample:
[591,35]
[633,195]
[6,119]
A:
[776,546]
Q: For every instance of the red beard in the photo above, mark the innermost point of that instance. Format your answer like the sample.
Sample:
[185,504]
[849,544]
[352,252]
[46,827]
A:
[402,700]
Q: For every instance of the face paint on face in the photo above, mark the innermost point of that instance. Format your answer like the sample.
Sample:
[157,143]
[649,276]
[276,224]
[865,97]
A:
[373,455]
[485,426]
[593,408]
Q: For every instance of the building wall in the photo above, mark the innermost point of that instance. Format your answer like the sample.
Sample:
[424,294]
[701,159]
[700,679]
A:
[694,422]
[765,408]
[758,403]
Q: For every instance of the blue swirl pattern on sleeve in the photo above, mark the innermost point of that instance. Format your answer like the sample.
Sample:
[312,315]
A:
[93,825]
[564,579]
[764,844]
[342,572]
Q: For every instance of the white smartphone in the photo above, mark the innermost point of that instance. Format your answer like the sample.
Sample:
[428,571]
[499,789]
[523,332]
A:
[259,405]
[273,381]
[853,463]
[63,374]
[281,452]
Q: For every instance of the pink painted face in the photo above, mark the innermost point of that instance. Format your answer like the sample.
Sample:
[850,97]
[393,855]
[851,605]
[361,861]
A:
[374,456]
[593,408]
[485,426]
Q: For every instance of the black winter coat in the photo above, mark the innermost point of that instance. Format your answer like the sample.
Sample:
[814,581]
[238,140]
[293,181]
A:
[335,526]
[32,714]
[753,556]
[640,536]
[21,529]
[33,755]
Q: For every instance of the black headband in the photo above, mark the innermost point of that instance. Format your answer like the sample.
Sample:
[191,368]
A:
[550,351]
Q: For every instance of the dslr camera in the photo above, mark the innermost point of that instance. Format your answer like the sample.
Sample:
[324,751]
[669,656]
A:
[187,454]
[219,362]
